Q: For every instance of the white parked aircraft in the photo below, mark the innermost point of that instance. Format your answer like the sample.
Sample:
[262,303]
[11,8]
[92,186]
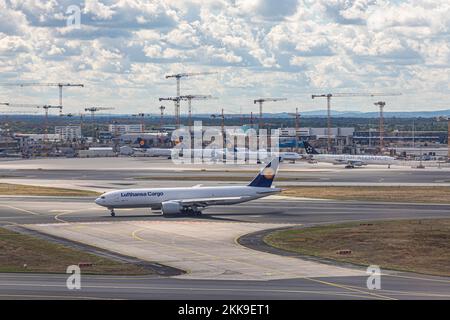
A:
[176,153]
[349,160]
[192,200]
[261,156]
[153,152]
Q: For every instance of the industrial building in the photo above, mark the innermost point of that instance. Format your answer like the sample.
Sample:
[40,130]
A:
[118,129]
[68,133]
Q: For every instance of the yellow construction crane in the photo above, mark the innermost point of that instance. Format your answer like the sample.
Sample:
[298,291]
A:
[330,95]
[261,101]
[93,110]
[59,85]
[178,77]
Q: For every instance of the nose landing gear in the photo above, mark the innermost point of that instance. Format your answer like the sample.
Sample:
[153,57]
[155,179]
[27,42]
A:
[113,214]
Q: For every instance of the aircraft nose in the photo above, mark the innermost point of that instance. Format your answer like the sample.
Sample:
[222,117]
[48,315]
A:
[99,201]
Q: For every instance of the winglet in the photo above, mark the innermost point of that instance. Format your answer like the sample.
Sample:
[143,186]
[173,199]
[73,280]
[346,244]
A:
[265,177]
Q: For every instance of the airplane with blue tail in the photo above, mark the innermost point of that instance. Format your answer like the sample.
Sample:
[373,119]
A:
[192,200]
[349,160]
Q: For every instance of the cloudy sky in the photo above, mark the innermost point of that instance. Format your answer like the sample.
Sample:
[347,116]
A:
[123,49]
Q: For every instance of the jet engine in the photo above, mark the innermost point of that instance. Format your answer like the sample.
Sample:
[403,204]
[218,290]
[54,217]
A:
[171,207]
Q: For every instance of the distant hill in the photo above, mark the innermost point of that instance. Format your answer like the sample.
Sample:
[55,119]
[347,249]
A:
[282,115]
[346,114]
[356,114]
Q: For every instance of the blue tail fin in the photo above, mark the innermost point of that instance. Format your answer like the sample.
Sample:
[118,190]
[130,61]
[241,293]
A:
[265,177]
[142,143]
[309,148]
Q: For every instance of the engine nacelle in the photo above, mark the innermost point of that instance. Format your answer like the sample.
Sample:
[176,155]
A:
[171,207]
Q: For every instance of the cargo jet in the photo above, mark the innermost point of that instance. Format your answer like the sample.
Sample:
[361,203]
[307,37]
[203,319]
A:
[349,160]
[192,200]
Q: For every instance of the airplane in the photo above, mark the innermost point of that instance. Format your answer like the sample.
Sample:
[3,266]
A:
[261,156]
[349,160]
[146,150]
[290,156]
[176,152]
[192,200]
[153,152]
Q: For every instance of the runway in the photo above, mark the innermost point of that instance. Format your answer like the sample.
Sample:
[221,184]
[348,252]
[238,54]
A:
[185,241]
[136,172]
[404,286]
[33,210]
[395,285]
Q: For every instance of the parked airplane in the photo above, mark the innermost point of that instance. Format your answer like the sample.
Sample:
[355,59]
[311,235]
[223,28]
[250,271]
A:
[261,156]
[192,200]
[349,160]
[290,156]
[153,152]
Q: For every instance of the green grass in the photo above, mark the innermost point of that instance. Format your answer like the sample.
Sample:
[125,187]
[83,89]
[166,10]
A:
[27,190]
[421,246]
[374,193]
[18,250]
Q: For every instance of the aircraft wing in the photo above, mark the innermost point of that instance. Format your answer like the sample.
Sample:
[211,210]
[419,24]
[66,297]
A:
[203,202]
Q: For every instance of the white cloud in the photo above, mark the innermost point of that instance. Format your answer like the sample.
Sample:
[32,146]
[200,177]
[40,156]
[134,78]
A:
[260,47]
[184,35]
[98,10]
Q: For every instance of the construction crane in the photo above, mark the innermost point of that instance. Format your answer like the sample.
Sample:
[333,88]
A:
[59,85]
[178,77]
[176,100]
[93,110]
[45,107]
[189,99]
[261,101]
[296,115]
[330,95]
[161,108]
[381,104]
[222,125]
[19,105]
[142,116]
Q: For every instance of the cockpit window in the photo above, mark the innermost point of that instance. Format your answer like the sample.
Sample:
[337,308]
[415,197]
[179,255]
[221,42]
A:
[102,197]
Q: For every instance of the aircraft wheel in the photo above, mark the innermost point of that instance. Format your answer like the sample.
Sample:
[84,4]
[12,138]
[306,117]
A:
[113,214]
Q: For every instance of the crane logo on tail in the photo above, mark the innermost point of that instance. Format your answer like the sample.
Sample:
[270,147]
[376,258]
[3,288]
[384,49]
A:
[268,173]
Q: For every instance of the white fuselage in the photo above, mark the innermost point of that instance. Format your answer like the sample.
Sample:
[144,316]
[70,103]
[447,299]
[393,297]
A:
[154,197]
[262,155]
[355,159]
